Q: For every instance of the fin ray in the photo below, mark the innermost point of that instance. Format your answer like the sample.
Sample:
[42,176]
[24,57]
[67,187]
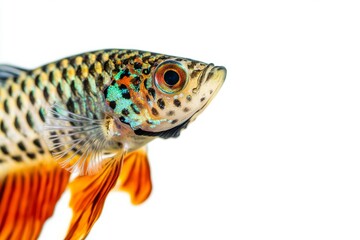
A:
[76,142]
[29,193]
[88,194]
[7,71]
[135,177]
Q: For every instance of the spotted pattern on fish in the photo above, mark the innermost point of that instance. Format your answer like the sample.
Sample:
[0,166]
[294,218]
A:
[24,97]
[80,110]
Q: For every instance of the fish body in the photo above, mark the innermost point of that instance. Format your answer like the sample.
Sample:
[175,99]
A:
[91,114]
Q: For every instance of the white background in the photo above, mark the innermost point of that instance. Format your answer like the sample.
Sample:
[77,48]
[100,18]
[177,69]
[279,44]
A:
[275,156]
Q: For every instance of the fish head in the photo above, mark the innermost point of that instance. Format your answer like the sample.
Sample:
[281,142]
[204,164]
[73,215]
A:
[170,92]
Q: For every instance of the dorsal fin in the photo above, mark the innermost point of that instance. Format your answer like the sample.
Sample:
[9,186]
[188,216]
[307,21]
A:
[7,71]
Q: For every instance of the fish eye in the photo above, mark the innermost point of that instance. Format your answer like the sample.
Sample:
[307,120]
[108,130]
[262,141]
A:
[170,77]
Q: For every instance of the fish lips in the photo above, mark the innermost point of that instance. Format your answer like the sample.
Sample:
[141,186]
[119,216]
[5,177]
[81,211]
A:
[213,75]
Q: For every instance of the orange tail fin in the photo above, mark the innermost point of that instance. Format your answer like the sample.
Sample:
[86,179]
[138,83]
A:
[88,197]
[28,195]
[135,176]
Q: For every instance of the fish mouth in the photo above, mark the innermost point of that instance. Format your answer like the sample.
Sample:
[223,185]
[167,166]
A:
[218,75]
[213,78]
[211,72]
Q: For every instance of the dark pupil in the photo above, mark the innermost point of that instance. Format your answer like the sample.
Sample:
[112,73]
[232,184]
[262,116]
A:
[171,77]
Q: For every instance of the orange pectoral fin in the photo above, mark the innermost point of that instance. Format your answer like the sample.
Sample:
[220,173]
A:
[28,195]
[88,194]
[135,176]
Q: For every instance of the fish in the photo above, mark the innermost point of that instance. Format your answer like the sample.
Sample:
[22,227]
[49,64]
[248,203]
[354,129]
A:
[83,123]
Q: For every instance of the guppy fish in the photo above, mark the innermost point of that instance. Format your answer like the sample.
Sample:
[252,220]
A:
[91,115]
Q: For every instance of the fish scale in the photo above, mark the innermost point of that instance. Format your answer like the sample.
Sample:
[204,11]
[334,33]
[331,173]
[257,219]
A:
[16,94]
[78,77]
